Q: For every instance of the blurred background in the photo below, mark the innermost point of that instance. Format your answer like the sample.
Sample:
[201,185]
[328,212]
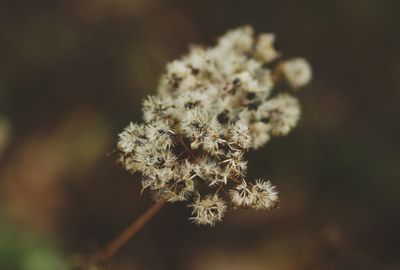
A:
[73,74]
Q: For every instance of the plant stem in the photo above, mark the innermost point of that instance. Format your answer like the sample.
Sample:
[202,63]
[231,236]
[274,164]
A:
[128,233]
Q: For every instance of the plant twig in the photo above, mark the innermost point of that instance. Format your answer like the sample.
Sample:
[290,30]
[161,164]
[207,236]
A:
[128,233]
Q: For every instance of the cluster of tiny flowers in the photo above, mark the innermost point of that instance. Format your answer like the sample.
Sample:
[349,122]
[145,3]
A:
[213,105]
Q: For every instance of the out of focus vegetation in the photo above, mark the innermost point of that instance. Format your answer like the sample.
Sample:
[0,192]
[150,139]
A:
[23,249]
[73,74]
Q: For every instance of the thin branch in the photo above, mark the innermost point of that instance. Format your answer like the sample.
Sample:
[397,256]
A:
[128,233]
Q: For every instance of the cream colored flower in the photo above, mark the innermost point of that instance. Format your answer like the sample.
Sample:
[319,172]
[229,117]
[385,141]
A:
[297,71]
[214,105]
[241,196]
[265,51]
[281,114]
[208,210]
[264,195]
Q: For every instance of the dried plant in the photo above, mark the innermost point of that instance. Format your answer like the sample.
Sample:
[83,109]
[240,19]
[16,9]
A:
[213,105]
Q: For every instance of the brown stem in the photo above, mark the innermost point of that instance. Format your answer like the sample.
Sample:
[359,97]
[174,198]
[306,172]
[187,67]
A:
[128,233]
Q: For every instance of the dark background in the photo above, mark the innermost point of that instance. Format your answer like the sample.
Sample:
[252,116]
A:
[73,73]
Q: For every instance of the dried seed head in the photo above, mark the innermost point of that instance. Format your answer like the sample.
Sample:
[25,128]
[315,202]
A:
[265,51]
[297,71]
[208,210]
[264,195]
[213,105]
[241,196]
[281,114]
[132,136]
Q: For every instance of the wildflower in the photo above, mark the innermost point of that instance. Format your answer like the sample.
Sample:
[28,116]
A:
[132,136]
[235,163]
[176,190]
[265,50]
[240,40]
[281,114]
[297,71]
[161,135]
[157,108]
[241,195]
[195,126]
[208,210]
[260,132]
[264,195]
[240,135]
[213,106]
[213,140]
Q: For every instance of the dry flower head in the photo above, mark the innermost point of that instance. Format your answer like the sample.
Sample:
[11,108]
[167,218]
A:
[213,105]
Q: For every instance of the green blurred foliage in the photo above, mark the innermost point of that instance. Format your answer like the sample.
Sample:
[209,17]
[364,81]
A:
[24,250]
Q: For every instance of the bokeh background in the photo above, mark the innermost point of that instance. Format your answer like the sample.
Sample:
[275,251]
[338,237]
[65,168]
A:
[73,74]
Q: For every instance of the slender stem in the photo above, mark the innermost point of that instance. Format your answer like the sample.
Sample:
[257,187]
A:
[128,233]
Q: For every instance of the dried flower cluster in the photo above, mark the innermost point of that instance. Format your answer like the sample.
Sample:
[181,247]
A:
[213,105]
